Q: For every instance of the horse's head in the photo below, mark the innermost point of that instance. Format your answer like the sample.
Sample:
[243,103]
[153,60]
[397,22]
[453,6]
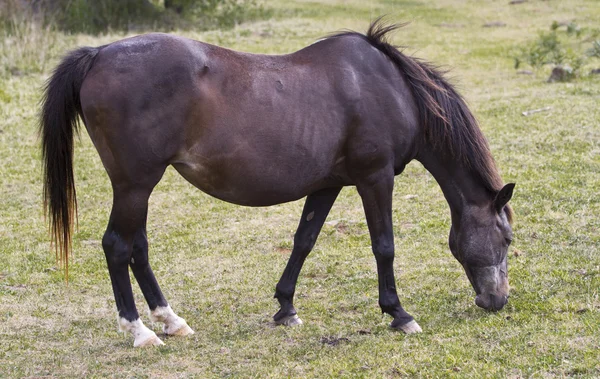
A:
[479,241]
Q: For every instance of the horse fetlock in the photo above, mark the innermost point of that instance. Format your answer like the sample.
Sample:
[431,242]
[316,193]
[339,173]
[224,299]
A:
[287,316]
[173,324]
[141,334]
[392,307]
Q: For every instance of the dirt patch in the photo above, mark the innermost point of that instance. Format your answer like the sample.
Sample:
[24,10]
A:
[334,341]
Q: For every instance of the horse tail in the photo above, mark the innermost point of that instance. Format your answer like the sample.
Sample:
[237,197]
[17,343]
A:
[58,121]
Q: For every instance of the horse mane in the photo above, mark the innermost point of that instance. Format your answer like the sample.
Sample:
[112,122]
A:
[450,127]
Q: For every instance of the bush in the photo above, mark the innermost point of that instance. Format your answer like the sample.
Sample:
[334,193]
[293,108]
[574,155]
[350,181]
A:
[99,16]
[562,48]
[25,40]
[30,31]
[214,13]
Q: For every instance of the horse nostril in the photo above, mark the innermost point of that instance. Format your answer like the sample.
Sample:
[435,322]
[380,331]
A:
[498,302]
[482,302]
[491,302]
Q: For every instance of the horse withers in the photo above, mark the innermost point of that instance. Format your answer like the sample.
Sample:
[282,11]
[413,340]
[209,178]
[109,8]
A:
[259,130]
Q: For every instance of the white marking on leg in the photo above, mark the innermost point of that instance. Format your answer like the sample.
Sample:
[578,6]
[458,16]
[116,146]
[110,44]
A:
[141,334]
[173,324]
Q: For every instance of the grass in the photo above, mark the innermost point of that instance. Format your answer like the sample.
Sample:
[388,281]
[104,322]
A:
[218,263]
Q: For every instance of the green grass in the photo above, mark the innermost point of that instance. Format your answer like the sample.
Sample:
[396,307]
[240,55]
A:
[218,263]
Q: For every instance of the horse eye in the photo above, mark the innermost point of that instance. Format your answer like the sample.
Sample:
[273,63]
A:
[508,240]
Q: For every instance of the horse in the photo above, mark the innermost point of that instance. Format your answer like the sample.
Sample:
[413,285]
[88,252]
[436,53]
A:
[259,130]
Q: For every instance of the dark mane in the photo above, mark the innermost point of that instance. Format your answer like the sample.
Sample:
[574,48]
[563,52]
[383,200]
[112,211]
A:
[450,127]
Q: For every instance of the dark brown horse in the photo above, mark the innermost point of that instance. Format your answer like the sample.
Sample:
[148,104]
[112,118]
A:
[258,130]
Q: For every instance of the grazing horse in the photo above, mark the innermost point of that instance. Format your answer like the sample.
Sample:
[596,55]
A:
[259,130]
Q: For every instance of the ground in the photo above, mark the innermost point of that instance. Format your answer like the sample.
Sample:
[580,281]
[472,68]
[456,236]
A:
[218,263]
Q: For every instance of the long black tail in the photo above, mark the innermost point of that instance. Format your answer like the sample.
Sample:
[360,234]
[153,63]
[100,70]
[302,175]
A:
[58,122]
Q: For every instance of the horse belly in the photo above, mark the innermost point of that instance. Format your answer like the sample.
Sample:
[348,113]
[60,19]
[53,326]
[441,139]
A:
[252,181]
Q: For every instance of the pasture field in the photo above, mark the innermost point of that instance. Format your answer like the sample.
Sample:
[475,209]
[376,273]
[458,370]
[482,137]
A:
[218,263]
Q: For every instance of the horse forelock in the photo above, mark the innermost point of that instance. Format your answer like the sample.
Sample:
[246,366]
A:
[450,127]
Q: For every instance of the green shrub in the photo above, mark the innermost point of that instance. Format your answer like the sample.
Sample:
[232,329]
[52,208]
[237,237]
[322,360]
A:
[215,13]
[594,51]
[99,16]
[26,43]
[559,47]
[31,33]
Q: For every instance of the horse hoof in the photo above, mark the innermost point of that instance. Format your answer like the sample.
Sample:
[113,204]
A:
[289,321]
[150,341]
[183,330]
[410,327]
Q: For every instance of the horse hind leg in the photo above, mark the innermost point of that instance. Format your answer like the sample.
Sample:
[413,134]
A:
[125,245]
[316,209]
[126,220]
[159,309]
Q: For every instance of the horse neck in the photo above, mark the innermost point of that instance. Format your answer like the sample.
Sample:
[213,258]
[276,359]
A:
[462,187]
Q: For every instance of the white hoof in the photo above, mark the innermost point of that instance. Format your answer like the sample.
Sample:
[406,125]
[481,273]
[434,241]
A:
[290,321]
[182,330]
[410,327]
[141,334]
[150,341]
[173,324]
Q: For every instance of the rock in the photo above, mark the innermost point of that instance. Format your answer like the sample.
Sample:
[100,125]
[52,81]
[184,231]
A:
[333,341]
[15,71]
[450,25]
[494,24]
[561,74]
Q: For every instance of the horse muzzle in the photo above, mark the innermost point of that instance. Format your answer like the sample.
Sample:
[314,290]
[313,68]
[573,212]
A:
[491,302]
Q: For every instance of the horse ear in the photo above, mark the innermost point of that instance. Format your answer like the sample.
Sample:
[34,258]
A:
[503,196]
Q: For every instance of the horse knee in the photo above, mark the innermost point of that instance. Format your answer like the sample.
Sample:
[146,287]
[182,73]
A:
[304,242]
[383,251]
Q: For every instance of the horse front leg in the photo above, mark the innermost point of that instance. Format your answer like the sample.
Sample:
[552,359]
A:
[316,209]
[376,194]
